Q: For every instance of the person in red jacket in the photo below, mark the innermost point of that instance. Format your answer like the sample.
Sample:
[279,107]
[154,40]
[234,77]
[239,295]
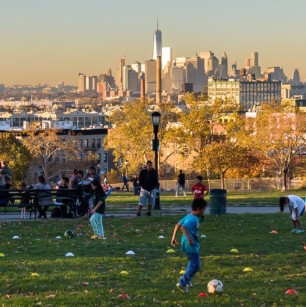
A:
[199,190]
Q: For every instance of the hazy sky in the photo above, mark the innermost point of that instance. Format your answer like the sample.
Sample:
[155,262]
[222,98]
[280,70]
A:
[51,41]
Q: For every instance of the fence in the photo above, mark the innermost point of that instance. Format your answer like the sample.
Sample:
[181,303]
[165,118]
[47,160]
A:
[259,184]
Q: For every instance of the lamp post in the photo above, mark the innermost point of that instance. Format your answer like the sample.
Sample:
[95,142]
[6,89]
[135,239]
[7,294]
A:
[155,117]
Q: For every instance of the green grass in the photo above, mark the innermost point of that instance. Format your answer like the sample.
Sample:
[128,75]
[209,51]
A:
[92,277]
[249,198]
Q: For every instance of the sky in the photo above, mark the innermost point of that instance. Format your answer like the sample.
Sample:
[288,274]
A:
[52,41]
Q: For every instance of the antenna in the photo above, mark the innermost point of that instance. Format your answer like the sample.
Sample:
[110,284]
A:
[157,23]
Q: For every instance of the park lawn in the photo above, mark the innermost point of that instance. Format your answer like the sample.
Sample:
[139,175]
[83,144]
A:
[236,198]
[93,276]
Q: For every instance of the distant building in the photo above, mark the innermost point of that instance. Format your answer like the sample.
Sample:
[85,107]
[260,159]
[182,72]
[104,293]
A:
[247,94]
[157,43]
[81,83]
[167,56]
[130,80]
[275,74]
[150,77]
[296,77]
[195,73]
[294,91]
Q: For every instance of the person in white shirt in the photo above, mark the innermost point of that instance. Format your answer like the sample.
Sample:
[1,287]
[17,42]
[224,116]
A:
[297,207]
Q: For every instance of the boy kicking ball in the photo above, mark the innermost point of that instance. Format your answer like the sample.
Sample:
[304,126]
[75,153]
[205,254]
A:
[189,226]
[297,208]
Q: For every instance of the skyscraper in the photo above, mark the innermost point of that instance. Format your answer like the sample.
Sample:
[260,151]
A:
[157,43]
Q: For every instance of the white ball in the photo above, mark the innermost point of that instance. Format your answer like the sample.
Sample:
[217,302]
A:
[215,286]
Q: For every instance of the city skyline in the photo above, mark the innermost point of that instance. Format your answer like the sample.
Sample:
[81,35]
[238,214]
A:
[53,41]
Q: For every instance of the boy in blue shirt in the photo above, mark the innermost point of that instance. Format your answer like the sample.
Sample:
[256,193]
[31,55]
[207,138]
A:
[189,226]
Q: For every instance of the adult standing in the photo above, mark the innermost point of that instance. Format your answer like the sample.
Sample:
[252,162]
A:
[135,183]
[297,208]
[74,180]
[7,172]
[148,182]
[124,183]
[181,183]
[92,175]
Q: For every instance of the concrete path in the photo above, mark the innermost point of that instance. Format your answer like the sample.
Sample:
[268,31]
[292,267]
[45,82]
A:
[175,210]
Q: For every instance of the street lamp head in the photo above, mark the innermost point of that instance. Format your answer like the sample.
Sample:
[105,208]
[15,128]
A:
[155,116]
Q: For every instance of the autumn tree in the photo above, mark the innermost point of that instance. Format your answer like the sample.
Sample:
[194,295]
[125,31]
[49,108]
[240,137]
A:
[280,136]
[220,157]
[18,156]
[132,132]
[48,150]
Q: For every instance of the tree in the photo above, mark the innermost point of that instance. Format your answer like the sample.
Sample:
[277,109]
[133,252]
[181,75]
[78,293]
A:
[219,157]
[47,149]
[132,132]
[12,150]
[280,136]
[201,125]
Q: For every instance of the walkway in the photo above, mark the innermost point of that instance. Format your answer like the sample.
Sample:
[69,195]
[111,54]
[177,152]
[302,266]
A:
[174,210]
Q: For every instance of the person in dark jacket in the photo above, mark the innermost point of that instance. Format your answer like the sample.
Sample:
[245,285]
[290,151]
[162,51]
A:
[148,182]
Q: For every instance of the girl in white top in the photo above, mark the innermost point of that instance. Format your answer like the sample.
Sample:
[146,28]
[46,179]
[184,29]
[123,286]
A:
[296,206]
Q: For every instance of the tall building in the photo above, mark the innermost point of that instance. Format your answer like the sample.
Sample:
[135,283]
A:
[130,80]
[150,77]
[254,59]
[178,78]
[255,69]
[222,70]
[296,77]
[275,73]
[167,56]
[119,75]
[81,83]
[157,43]
[195,73]
[212,65]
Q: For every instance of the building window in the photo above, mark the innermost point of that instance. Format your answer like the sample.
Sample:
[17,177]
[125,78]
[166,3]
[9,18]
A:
[93,143]
[98,143]
[86,143]
[105,157]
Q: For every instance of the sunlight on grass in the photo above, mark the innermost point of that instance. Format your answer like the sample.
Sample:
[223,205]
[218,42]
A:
[93,276]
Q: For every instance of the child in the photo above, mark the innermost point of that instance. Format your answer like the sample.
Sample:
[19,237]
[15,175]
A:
[189,225]
[199,190]
[297,208]
[98,199]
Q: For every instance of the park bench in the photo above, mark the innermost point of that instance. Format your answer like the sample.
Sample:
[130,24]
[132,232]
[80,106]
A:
[32,199]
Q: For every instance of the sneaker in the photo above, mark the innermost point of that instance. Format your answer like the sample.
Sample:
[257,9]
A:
[294,230]
[149,213]
[190,285]
[94,237]
[182,288]
[299,231]
[101,238]
[138,213]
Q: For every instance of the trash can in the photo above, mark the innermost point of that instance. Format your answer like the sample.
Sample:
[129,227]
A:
[217,202]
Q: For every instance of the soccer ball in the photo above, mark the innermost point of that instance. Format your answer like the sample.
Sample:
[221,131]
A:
[215,286]
[69,234]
